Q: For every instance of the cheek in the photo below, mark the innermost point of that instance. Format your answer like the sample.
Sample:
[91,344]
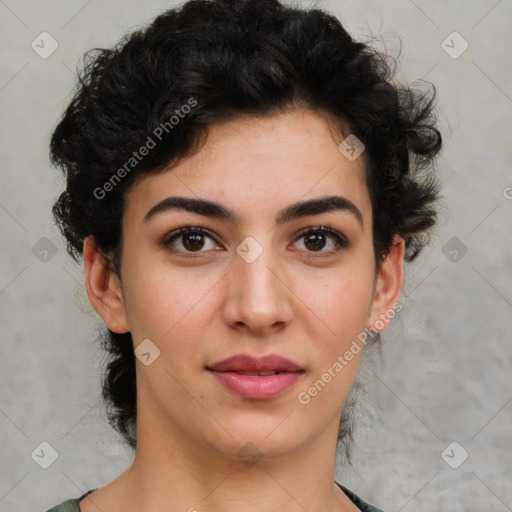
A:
[163,303]
[339,313]
[341,304]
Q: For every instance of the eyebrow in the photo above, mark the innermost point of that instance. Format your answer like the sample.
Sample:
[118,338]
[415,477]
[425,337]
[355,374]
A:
[292,212]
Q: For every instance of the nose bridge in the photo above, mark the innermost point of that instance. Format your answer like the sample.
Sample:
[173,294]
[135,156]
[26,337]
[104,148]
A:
[253,267]
[258,296]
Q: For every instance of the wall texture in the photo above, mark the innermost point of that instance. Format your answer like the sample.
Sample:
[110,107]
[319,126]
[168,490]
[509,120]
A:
[446,373]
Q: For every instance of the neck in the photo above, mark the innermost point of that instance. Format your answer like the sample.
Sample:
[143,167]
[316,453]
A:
[173,471]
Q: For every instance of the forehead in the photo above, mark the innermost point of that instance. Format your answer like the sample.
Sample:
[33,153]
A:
[256,165]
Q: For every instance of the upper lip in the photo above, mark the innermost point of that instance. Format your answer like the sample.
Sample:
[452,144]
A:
[247,363]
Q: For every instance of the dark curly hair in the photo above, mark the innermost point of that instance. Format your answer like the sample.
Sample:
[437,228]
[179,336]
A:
[234,57]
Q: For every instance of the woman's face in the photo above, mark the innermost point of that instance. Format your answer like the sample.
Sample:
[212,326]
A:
[256,284]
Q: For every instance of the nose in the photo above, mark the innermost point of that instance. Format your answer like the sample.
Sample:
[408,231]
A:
[259,294]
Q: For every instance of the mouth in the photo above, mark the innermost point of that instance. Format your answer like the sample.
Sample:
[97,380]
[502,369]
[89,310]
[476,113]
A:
[260,378]
[259,374]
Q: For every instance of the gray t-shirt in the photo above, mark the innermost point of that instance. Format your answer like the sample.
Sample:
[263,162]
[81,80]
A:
[72,505]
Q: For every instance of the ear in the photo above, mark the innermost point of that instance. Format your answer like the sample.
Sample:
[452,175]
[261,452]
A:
[388,287]
[104,288]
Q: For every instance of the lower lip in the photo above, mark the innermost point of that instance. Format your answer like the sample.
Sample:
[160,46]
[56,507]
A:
[257,387]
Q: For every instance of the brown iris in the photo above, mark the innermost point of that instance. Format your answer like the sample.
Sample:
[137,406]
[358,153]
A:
[193,241]
[315,241]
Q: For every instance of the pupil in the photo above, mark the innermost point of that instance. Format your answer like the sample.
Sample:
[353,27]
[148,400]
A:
[317,238]
[196,243]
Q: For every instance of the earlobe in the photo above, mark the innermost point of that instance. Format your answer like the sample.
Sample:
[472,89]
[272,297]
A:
[388,287]
[104,288]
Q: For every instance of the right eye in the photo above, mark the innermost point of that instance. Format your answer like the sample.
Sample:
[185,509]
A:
[190,238]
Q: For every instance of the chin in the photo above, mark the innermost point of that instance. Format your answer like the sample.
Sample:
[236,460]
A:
[269,439]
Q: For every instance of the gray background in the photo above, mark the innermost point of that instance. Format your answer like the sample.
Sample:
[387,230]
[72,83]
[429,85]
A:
[446,375]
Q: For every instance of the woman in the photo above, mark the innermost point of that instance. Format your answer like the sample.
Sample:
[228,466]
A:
[244,183]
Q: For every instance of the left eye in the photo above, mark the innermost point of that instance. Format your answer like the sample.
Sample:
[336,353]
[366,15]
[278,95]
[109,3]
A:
[315,240]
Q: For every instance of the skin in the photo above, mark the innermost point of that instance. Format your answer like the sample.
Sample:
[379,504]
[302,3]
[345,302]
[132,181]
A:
[295,300]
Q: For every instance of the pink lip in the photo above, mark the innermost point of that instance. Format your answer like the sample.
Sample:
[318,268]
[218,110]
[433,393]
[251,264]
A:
[258,387]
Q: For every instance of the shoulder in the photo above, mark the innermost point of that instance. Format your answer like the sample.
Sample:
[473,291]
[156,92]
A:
[70,505]
[362,505]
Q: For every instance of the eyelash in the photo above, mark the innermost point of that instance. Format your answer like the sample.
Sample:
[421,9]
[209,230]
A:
[341,241]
